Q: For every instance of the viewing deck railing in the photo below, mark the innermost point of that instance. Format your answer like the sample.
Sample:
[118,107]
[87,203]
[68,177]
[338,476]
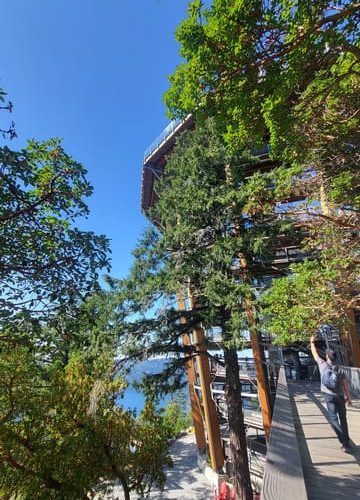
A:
[258,152]
[161,138]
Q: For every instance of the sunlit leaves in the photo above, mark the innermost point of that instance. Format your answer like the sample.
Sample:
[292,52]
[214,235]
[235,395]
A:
[45,260]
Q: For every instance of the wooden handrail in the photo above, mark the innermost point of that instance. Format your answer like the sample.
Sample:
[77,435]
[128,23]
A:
[283,474]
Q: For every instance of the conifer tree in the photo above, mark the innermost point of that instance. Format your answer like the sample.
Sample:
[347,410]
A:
[287,74]
[204,222]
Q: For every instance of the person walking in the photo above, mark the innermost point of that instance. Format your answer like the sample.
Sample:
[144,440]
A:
[335,388]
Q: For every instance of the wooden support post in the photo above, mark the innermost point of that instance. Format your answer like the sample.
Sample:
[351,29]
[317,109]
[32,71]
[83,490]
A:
[190,370]
[346,342]
[210,413]
[261,373]
[354,339]
[323,200]
[211,418]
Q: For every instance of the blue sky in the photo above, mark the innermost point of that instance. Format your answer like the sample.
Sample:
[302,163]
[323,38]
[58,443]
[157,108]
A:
[93,72]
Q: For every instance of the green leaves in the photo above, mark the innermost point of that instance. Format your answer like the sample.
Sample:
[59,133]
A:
[206,220]
[300,304]
[317,293]
[62,431]
[287,73]
[252,65]
[44,258]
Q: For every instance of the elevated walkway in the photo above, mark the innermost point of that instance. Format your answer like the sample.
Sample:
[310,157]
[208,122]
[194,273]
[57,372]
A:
[304,459]
[329,472]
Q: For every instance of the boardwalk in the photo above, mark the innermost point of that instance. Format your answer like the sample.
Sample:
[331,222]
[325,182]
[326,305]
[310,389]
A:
[329,472]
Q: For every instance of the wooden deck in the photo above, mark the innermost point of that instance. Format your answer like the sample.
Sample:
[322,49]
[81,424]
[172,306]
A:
[329,472]
[283,472]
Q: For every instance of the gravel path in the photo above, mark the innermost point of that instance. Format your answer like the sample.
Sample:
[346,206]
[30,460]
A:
[184,480]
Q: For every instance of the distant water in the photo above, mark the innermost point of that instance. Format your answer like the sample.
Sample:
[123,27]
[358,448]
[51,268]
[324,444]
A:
[135,400]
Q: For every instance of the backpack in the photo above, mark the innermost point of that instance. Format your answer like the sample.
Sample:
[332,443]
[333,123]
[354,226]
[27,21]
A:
[331,378]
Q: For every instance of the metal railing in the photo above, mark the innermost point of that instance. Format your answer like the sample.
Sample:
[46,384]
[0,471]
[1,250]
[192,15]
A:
[353,376]
[258,152]
[162,137]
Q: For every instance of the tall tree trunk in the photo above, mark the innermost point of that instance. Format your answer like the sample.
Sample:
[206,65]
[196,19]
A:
[259,358]
[238,446]
[261,372]
[124,485]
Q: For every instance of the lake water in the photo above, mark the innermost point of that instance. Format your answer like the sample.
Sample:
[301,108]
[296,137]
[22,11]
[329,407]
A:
[135,400]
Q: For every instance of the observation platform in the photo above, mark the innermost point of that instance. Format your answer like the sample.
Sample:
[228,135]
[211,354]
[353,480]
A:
[155,158]
[304,459]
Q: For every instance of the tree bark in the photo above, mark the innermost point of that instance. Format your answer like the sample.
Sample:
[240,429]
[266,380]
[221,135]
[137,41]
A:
[238,446]
[124,485]
[261,373]
[117,473]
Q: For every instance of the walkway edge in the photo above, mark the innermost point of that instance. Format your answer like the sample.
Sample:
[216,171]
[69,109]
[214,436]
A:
[283,474]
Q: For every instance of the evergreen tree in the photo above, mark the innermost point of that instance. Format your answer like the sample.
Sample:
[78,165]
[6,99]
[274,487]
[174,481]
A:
[204,228]
[287,73]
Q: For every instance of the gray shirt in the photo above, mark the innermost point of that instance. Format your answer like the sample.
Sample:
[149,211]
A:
[323,367]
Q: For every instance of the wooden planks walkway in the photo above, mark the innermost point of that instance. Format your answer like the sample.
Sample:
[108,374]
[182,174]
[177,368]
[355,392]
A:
[283,473]
[329,472]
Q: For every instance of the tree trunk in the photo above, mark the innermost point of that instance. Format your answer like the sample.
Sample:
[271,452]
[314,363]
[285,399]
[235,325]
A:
[261,373]
[238,447]
[117,472]
[124,485]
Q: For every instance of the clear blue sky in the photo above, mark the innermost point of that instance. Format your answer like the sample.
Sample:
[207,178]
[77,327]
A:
[93,72]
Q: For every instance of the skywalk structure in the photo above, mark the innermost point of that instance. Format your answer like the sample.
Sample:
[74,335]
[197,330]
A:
[206,379]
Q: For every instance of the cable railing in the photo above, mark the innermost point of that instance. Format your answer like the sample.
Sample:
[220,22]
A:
[162,137]
[257,152]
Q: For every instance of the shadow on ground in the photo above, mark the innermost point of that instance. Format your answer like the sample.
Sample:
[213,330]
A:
[184,481]
[335,476]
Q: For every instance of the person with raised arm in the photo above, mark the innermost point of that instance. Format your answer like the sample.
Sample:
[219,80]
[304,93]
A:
[335,388]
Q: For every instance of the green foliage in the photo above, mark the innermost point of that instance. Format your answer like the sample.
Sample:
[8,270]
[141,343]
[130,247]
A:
[7,106]
[317,293]
[286,73]
[45,258]
[265,66]
[283,72]
[62,434]
[197,243]
[301,303]
[151,451]
[177,416]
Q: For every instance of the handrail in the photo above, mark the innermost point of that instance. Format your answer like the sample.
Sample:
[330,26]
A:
[353,375]
[257,152]
[169,129]
[283,474]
